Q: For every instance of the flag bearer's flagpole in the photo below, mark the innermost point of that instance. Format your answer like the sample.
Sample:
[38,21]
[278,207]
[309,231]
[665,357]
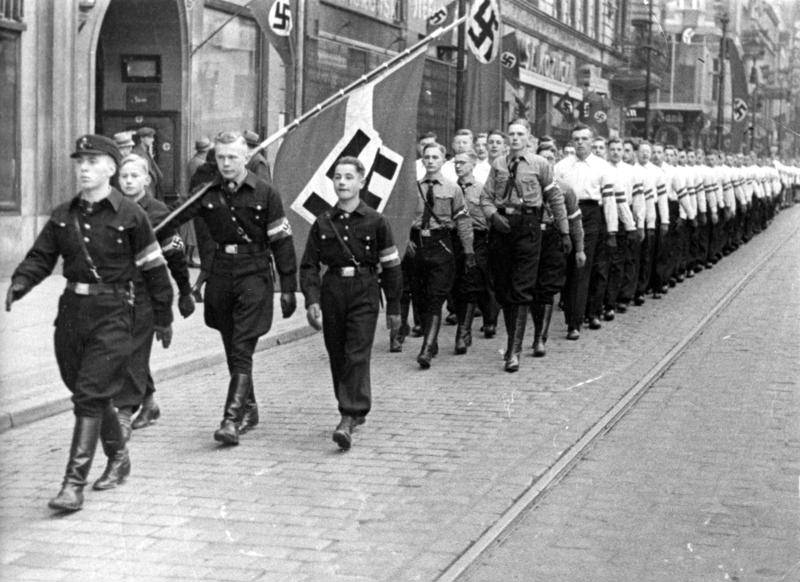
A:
[394,63]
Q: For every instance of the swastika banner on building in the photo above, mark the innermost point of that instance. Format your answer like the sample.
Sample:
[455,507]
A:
[276,19]
[483,30]
[377,124]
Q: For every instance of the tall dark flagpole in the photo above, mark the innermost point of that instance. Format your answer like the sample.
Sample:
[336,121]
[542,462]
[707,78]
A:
[460,67]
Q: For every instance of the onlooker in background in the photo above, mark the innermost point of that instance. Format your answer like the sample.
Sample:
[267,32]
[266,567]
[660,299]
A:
[257,163]
[124,141]
[147,137]
[187,231]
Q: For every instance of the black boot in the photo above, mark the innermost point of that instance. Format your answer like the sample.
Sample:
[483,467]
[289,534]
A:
[148,413]
[342,435]
[537,311]
[112,437]
[81,453]
[464,331]
[430,341]
[548,315]
[509,317]
[250,417]
[520,320]
[238,389]
[404,327]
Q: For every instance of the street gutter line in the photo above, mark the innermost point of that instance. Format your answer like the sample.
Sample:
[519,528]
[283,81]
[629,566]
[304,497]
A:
[572,455]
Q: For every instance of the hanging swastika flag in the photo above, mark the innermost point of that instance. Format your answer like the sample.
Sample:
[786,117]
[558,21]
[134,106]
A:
[740,109]
[376,124]
[483,30]
[275,18]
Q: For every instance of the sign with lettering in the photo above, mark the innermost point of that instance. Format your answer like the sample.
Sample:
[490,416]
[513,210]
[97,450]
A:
[539,57]
[383,9]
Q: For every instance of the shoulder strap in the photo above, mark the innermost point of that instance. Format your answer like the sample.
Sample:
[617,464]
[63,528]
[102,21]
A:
[344,245]
[84,249]
[428,206]
[239,230]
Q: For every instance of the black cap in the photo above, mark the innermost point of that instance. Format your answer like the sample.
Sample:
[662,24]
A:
[146,132]
[96,144]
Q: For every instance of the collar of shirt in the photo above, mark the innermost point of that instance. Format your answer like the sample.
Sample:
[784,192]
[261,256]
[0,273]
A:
[437,178]
[360,209]
[466,182]
[114,198]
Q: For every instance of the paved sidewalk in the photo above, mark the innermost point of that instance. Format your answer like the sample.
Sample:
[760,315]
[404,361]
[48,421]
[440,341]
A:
[30,385]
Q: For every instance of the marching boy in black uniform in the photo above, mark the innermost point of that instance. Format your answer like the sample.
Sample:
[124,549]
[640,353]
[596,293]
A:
[104,239]
[138,388]
[245,218]
[351,240]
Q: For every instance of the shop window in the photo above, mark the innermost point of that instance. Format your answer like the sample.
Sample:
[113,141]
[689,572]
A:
[9,119]
[226,75]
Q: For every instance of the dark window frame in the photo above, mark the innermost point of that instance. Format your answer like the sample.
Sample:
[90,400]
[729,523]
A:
[12,31]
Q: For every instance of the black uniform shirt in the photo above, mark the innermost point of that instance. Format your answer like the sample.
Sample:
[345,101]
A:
[368,236]
[119,239]
[252,213]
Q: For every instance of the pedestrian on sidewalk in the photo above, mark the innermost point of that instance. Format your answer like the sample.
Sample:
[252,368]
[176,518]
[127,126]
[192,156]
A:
[245,218]
[355,243]
[138,389]
[105,240]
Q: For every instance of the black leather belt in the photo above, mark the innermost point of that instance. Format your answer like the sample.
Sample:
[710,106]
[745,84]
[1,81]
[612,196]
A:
[351,271]
[96,288]
[242,249]
[430,233]
[588,202]
[511,210]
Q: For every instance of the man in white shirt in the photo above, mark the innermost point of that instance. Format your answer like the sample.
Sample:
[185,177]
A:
[463,141]
[483,165]
[631,269]
[590,178]
[655,198]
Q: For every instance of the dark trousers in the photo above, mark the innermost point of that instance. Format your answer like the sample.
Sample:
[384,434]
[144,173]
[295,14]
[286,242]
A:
[93,348]
[552,267]
[662,268]
[515,259]
[577,284]
[434,270]
[138,381]
[475,285]
[598,279]
[630,277]
[618,257]
[238,304]
[646,256]
[350,308]
[408,302]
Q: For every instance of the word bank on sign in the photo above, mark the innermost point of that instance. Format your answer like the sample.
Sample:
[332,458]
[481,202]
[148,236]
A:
[483,30]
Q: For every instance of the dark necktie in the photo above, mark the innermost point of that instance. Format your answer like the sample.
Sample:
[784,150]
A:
[428,211]
[512,178]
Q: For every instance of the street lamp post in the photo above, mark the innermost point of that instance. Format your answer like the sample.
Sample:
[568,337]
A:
[721,83]
[649,49]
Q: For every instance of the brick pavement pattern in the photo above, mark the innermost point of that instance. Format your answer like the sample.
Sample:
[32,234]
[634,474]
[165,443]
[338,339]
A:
[699,481]
[443,454]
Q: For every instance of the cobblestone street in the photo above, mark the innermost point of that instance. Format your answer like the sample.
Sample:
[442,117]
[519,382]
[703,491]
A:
[699,482]
[447,451]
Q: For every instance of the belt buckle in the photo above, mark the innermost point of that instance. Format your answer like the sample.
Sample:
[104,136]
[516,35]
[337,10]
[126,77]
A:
[510,210]
[425,232]
[544,226]
[81,288]
[231,249]
[348,271]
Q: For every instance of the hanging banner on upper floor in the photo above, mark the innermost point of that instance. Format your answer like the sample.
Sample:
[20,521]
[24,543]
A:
[483,30]
[276,19]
